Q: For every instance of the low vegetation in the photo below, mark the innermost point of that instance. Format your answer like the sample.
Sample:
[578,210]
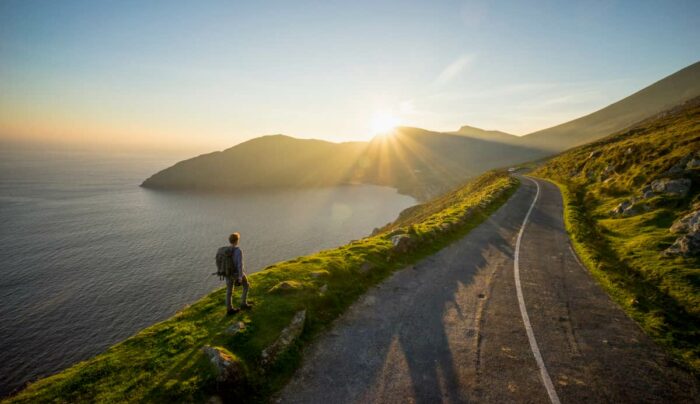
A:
[167,361]
[623,195]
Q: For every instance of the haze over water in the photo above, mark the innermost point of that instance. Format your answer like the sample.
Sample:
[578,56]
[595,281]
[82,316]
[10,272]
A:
[88,258]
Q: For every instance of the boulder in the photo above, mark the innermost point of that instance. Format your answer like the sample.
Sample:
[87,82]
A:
[228,369]
[287,336]
[234,328]
[647,192]
[621,207]
[629,208]
[687,245]
[396,232]
[687,224]
[402,243]
[675,187]
[693,164]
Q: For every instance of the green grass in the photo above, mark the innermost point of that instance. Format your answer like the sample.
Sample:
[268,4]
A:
[165,363]
[625,253]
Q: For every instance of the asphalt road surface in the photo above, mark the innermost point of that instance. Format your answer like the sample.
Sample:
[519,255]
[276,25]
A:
[506,314]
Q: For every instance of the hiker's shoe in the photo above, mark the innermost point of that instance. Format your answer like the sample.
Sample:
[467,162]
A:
[247,306]
[231,312]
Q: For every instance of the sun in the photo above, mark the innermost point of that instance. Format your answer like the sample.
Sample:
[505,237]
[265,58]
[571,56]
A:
[383,122]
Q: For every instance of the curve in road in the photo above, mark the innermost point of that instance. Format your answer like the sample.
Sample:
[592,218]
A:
[451,328]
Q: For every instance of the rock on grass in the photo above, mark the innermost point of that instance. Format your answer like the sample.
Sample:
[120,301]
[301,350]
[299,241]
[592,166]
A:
[287,336]
[228,369]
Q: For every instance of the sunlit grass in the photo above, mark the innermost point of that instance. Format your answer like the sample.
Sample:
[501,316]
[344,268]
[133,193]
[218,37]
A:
[625,253]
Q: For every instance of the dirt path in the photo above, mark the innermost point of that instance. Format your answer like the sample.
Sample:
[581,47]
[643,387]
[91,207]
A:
[451,328]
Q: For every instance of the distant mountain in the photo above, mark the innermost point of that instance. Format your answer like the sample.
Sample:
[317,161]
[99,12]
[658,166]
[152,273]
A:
[424,163]
[417,162]
[265,162]
[490,135]
[660,96]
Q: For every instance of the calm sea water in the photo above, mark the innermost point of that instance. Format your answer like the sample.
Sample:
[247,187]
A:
[87,257]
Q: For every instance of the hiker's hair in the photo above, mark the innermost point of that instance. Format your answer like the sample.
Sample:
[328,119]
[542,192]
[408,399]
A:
[233,238]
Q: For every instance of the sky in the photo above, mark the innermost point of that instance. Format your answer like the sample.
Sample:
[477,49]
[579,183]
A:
[206,75]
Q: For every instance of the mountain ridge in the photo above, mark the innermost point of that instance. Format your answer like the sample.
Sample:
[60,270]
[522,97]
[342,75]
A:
[659,96]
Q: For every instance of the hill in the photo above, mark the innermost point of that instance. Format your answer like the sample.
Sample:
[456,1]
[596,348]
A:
[633,210]
[415,161]
[660,96]
[264,162]
[489,135]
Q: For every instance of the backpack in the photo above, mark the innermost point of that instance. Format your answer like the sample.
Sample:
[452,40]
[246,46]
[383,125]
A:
[225,266]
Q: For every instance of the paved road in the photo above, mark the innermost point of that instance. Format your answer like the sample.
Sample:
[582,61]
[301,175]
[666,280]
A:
[451,328]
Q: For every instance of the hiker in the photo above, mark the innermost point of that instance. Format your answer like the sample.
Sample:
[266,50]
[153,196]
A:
[229,263]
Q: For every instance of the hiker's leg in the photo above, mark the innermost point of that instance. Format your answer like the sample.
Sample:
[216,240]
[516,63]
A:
[244,296]
[229,292]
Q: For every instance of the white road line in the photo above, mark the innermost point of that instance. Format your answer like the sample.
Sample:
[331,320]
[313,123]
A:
[523,310]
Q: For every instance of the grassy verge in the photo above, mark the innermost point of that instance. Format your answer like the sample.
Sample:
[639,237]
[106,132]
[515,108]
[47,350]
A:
[625,251]
[165,362]
[645,300]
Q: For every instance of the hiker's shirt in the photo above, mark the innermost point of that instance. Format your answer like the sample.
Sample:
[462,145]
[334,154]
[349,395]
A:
[238,261]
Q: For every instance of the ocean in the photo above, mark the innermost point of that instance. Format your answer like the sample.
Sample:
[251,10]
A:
[88,258]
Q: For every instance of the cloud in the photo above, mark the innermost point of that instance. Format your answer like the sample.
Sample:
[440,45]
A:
[453,70]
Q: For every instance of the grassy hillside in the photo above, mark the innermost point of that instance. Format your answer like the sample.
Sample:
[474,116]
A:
[660,96]
[265,162]
[620,220]
[425,164]
[417,162]
[165,362]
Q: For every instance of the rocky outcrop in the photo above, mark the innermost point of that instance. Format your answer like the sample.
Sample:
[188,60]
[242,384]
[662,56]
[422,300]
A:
[693,164]
[402,243]
[688,228]
[689,222]
[687,245]
[674,187]
[287,336]
[234,328]
[629,208]
[647,192]
[227,368]
[690,162]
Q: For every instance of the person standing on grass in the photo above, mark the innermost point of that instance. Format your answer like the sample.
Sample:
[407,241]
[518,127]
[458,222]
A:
[229,262]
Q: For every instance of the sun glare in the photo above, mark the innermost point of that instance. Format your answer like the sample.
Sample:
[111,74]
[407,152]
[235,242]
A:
[383,123]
